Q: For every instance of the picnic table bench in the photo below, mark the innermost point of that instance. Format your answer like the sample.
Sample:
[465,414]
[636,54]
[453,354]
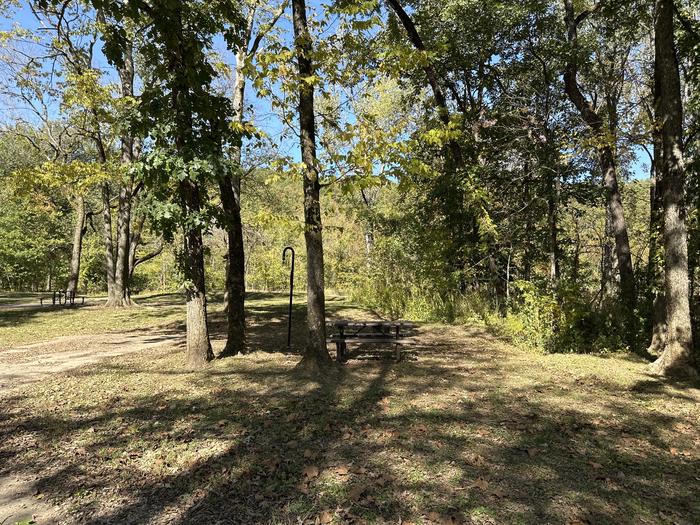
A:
[369,332]
[64,297]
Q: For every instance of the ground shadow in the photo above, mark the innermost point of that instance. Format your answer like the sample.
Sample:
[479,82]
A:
[463,434]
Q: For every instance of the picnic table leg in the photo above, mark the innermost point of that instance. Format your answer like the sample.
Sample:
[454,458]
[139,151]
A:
[340,346]
[398,346]
[339,351]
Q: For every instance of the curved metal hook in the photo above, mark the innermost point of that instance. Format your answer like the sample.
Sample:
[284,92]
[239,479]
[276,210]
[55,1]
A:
[284,254]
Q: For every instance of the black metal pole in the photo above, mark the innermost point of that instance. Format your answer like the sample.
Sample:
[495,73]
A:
[291,294]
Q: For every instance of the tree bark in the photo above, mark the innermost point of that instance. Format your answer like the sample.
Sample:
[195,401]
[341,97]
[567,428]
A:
[120,296]
[607,161]
[552,222]
[108,241]
[199,350]
[316,353]
[78,232]
[655,258]
[677,357]
[230,189]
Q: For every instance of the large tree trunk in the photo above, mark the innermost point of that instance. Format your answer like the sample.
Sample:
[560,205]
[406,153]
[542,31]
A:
[78,232]
[121,268]
[316,353]
[677,356]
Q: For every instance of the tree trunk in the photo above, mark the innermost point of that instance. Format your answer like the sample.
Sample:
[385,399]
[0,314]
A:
[229,186]
[552,221]
[677,356]
[121,296]
[108,241]
[78,232]
[618,228]
[654,262]
[316,353]
[199,350]
[121,268]
[230,189]
[607,161]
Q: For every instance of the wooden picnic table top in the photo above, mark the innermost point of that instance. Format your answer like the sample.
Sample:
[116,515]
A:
[351,323]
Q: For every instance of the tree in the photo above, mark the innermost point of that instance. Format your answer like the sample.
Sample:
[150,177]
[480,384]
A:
[677,355]
[230,179]
[604,136]
[186,123]
[316,353]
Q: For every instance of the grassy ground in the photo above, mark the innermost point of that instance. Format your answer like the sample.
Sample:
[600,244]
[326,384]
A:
[465,430]
[39,323]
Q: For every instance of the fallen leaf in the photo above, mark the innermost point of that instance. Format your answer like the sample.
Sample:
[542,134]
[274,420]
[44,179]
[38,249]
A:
[325,517]
[310,472]
[532,452]
[356,492]
[341,470]
[480,483]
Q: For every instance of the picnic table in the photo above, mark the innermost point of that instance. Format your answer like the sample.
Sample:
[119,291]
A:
[369,332]
[63,297]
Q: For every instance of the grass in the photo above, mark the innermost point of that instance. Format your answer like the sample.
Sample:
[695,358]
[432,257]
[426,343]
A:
[37,323]
[467,429]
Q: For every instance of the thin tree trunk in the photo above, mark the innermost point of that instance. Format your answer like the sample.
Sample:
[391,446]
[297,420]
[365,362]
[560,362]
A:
[121,296]
[230,189]
[654,262]
[316,353]
[677,356]
[607,161]
[552,221]
[618,227]
[108,241]
[78,232]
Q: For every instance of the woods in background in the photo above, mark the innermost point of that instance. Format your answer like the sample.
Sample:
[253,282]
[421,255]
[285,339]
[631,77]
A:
[532,165]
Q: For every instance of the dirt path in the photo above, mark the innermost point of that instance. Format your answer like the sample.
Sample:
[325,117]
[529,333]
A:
[20,501]
[32,362]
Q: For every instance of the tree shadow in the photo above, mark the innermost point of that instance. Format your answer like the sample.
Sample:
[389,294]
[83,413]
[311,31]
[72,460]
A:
[461,432]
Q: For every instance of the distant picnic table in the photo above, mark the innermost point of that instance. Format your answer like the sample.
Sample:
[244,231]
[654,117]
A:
[61,297]
[369,332]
